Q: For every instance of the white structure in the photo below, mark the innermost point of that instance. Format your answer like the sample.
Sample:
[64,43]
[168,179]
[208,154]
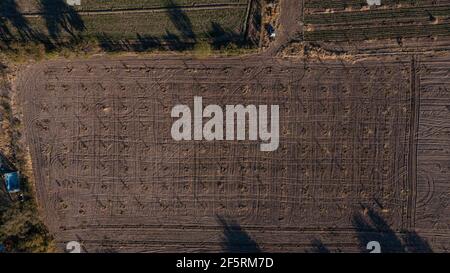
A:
[73,2]
[374,2]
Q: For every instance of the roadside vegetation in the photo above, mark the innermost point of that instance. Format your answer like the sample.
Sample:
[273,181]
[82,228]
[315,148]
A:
[42,29]
[21,229]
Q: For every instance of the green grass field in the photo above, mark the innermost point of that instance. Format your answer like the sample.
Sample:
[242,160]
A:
[156,24]
[123,21]
[127,4]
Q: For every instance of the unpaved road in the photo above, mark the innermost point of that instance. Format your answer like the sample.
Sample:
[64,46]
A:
[291,26]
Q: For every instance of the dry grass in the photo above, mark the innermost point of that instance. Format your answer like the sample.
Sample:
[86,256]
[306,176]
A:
[21,229]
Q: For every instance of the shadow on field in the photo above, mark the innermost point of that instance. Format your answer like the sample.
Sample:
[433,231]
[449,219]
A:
[143,43]
[62,26]
[221,38]
[235,239]
[373,227]
[317,246]
[109,44]
[140,44]
[60,17]
[146,42]
[174,42]
[13,25]
[4,197]
[181,21]
[169,40]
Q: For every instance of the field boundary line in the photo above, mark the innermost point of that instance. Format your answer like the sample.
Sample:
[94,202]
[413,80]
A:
[247,17]
[147,10]
[413,135]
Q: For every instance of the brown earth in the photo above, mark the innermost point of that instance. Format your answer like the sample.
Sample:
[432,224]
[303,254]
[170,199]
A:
[110,176]
[363,154]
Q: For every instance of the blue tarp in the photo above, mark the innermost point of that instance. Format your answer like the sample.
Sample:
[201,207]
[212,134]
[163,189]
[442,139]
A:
[12,182]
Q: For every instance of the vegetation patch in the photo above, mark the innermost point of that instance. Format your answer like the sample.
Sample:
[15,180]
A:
[21,229]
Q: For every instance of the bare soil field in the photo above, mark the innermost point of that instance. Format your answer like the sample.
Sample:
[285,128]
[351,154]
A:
[433,152]
[110,175]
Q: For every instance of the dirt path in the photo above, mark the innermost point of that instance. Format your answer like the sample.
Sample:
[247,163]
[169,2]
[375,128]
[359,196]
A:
[291,26]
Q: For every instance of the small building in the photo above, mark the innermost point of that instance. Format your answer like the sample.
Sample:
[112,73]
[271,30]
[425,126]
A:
[12,181]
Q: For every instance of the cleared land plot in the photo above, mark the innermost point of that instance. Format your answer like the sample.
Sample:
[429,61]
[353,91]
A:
[433,153]
[109,174]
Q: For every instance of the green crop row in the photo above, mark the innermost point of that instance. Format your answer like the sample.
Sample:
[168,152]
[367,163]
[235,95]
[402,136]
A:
[32,6]
[189,24]
[128,4]
[385,32]
[332,4]
[377,14]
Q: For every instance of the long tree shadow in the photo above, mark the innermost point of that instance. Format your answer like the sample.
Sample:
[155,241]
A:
[235,239]
[140,44]
[181,22]
[317,246]
[416,244]
[110,45]
[5,32]
[146,42]
[170,40]
[221,38]
[60,17]
[13,25]
[174,42]
[65,27]
[373,227]
[4,197]
[6,166]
